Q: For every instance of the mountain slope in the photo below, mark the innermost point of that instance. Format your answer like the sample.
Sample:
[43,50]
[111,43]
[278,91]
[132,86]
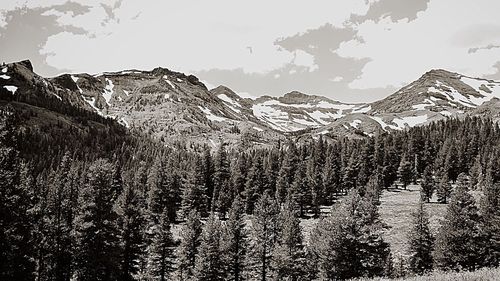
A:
[438,94]
[174,107]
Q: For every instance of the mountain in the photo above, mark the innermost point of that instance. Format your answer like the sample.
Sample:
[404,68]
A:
[437,95]
[174,107]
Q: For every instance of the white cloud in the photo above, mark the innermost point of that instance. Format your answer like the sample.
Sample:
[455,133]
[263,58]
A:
[194,35]
[301,58]
[439,38]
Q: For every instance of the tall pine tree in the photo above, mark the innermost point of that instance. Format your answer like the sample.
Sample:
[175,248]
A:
[457,242]
[209,265]
[96,234]
[188,249]
[235,242]
[160,259]
[263,238]
[421,242]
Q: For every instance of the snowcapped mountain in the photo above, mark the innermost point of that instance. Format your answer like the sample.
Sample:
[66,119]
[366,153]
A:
[297,111]
[172,106]
[438,94]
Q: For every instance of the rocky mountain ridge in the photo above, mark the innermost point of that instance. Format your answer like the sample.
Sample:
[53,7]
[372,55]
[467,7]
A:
[172,106]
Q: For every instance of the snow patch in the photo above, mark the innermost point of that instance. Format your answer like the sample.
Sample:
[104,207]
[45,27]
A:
[453,95]
[355,123]
[446,113]
[410,121]
[91,101]
[318,116]
[210,116]
[124,122]
[383,124]
[227,99]
[363,109]
[108,91]
[422,106]
[487,89]
[169,82]
[12,89]
[126,92]
[231,102]
[4,70]
[213,143]
[57,96]
[323,132]
[4,76]
[74,80]
[274,117]
[258,129]
[305,122]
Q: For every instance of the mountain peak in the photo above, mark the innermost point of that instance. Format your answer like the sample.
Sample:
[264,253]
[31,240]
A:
[25,63]
[440,73]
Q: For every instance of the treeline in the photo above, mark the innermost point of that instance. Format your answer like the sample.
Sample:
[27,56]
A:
[114,213]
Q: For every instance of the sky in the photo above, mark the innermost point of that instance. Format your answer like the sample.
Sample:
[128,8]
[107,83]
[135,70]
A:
[347,50]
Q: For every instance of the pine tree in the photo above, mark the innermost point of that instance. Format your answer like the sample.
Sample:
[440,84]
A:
[156,181]
[349,243]
[490,225]
[375,256]
[263,237]
[288,255]
[287,172]
[222,196]
[421,242]
[15,230]
[163,192]
[333,242]
[330,176]
[255,184]
[160,260]
[238,174]
[208,174]
[188,249]
[405,173]
[194,197]
[299,191]
[349,173]
[96,235]
[373,189]
[315,184]
[130,226]
[457,245]
[209,265]
[59,218]
[476,172]
[443,190]
[427,185]
[235,242]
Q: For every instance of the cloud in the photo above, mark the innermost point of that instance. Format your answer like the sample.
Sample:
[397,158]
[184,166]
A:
[323,71]
[394,9]
[215,35]
[401,51]
[496,75]
[28,29]
[351,50]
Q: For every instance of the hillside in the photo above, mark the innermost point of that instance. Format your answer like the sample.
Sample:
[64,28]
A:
[172,107]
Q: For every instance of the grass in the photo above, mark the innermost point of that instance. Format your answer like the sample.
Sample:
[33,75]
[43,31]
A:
[396,206]
[484,274]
